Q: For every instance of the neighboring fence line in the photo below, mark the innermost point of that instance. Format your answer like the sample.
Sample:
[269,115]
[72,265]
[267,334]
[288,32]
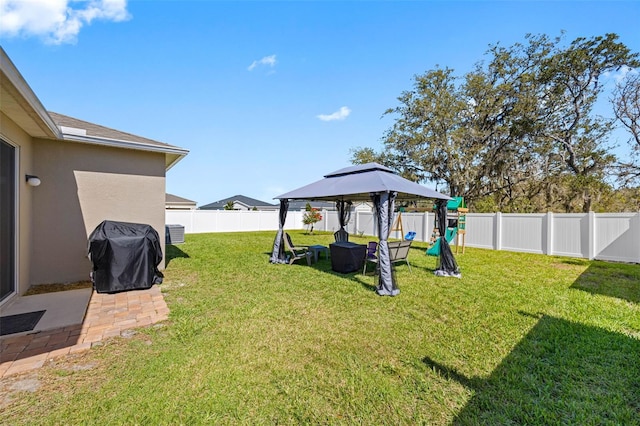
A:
[605,236]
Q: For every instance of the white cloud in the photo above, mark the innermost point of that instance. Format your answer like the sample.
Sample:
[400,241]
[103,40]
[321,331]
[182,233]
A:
[56,21]
[619,75]
[622,74]
[267,60]
[341,114]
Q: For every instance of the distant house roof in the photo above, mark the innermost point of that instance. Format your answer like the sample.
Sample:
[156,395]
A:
[73,129]
[295,205]
[248,202]
[173,201]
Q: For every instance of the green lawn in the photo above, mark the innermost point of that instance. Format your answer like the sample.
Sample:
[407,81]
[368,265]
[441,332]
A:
[520,339]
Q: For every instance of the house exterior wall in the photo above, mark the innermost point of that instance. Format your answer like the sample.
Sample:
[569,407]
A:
[82,185]
[14,135]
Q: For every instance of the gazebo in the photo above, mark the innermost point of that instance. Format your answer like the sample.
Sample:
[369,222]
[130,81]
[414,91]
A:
[367,182]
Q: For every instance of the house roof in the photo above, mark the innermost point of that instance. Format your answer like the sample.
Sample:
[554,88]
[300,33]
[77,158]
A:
[23,107]
[247,201]
[76,130]
[322,205]
[174,199]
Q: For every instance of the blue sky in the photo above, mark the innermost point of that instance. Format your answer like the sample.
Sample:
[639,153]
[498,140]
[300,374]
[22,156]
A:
[266,96]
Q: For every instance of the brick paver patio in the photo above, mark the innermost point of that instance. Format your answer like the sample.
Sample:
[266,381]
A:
[107,316]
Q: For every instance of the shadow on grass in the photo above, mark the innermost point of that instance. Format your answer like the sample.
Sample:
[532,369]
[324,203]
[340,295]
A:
[173,252]
[561,372]
[368,282]
[620,280]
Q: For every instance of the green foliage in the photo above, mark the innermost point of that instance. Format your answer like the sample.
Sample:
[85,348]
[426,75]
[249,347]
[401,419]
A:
[519,339]
[367,155]
[229,206]
[311,217]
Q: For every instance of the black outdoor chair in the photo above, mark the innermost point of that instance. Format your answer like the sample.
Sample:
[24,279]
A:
[341,235]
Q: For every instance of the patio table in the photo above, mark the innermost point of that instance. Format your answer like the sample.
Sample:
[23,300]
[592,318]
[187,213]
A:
[317,249]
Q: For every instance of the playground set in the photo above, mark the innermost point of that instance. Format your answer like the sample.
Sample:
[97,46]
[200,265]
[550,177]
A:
[456,226]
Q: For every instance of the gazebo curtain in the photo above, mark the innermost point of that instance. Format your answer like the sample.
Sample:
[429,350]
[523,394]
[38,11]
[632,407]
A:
[447,265]
[344,212]
[277,255]
[384,203]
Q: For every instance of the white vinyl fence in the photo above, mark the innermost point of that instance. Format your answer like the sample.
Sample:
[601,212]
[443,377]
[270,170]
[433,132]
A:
[605,236]
[200,221]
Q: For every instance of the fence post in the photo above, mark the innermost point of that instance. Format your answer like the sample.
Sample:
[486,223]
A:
[425,227]
[498,231]
[592,236]
[637,225]
[549,226]
[356,222]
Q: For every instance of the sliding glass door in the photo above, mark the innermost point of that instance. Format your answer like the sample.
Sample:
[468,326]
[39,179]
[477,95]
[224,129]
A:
[7,219]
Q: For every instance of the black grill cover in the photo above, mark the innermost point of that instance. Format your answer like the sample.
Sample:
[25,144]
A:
[125,256]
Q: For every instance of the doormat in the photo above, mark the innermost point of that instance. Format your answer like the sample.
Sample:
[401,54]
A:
[19,323]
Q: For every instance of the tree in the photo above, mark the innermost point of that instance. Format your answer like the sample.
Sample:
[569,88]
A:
[311,217]
[229,206]
[517,132]
[626,107]
[570,85]
[502,104]
[367,155]
[425,142]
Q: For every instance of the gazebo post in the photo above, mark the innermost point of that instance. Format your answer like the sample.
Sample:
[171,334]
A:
[277,255]
[384,206]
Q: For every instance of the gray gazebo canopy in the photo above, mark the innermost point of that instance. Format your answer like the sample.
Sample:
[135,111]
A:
[366,182]
[358,183]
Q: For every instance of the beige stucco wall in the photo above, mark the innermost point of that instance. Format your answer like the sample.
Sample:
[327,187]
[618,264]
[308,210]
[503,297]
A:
[14,135]
[82,185]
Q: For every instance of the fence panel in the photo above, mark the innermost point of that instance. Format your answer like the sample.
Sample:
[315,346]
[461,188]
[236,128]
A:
[412,222]
[523,232]
[331,222]
[570,235]
[617,237]
[207,222]
[199,221]
[366,224]
[481,230]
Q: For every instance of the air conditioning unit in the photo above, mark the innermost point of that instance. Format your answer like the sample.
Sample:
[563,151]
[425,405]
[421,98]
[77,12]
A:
[174,234]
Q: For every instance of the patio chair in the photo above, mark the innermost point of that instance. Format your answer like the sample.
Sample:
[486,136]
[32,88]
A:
[297,252]
[398,252]
[371,256]
[341,235]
